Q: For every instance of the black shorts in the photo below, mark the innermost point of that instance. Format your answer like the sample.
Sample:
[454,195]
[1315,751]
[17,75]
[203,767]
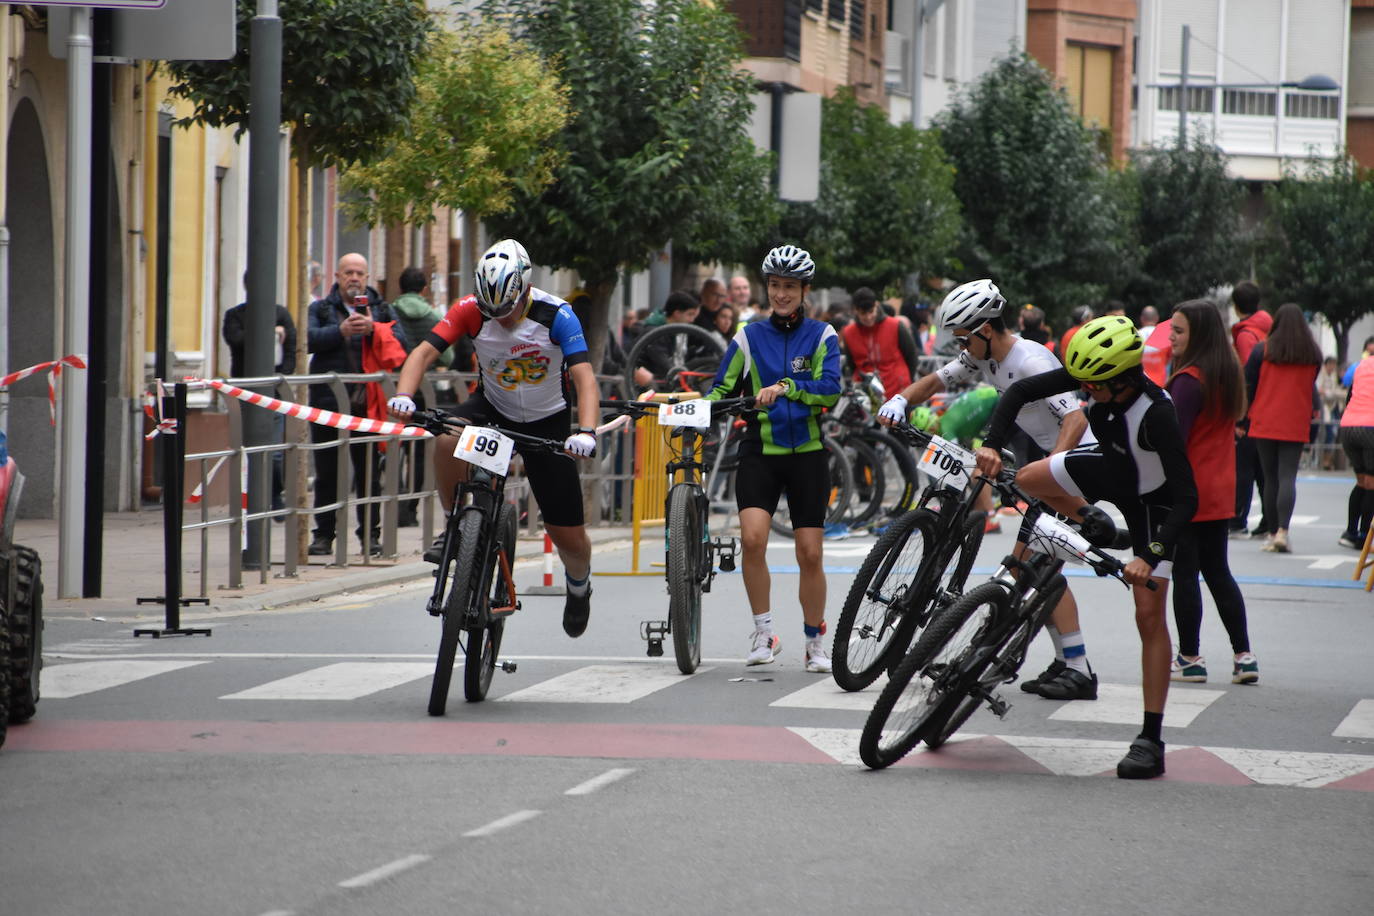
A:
[553,478]
[761,480]
[1358,442]
[1085,472]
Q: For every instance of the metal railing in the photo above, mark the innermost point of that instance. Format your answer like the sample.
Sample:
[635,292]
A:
[607,482]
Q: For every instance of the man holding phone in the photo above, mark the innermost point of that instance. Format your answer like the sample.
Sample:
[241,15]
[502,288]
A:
[340,325]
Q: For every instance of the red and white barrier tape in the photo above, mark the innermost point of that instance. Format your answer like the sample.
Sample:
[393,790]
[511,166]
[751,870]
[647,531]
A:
[55,366]
[313,414]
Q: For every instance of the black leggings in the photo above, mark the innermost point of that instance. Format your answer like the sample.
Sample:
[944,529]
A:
[1279,461]
[1202,547]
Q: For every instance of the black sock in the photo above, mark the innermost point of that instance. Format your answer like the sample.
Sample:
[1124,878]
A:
[1154,725]
[1366,513]
[1354,507]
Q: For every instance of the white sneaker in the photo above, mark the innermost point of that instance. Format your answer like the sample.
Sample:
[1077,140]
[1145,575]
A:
[766,646]
[817,661]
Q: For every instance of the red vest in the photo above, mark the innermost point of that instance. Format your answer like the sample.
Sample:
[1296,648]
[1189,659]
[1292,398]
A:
[1282,408]
[875,349]
[1212,453]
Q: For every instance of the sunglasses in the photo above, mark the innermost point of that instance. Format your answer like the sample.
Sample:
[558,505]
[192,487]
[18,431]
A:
[1096,386]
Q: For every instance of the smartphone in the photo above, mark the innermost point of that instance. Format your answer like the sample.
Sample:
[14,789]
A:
[360,304]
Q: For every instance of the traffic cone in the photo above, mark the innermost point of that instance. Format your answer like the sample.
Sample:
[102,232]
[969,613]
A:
[548,588]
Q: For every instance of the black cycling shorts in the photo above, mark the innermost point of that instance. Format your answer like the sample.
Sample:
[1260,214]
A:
[553,478]
[1358,442]
[1085,472]
[761,480]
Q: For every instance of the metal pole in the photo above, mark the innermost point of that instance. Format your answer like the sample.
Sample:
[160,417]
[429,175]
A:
[264,166]
[1183,91]
[76,282]
[98,308]
[779,92]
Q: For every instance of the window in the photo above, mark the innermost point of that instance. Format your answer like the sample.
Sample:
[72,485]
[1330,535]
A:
[858,12]
[1301,105]
[1249,102]
[837,11]
[1088,80]
[1199,98]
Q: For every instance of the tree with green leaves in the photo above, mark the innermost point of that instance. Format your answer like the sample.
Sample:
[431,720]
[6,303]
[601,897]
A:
[480,130]
[1189,223]
[1321,235]
[657,150]
[1045,216]
[886,207]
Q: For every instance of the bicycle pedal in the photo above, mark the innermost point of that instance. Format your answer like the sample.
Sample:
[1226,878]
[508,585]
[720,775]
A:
[655,648]
[652,632]
[999,706]
[508,667]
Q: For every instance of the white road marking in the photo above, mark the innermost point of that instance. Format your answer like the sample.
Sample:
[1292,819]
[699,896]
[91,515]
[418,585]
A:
[1360,722]
[1122,704]
[62,681]
[600,782]
[342,681]
[1292,768]
[1324,560]
[840,743]
[1074,756]
[501,823]
[602,684]
[826,694]
[385,871]
[279,913]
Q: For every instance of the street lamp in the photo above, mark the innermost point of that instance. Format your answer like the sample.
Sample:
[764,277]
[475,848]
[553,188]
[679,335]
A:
[1316,82]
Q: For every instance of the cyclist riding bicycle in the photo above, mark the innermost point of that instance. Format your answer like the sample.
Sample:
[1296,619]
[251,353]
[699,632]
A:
[525,340]
[790,364]
[1140,464]
[973,312]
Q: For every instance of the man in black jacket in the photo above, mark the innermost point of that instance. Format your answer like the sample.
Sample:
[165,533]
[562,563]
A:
[340,325]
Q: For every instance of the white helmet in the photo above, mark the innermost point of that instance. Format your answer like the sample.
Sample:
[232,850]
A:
[789,261]
[969,305]
[503,277]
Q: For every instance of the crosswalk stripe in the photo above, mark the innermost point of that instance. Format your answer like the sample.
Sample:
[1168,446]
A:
[342,681]
[63,681]
[826,694]
[1294,768]
[1122,704]
[1360,722]
[601,684]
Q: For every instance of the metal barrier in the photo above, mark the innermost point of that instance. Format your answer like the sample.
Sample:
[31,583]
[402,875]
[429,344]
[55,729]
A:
[609,485]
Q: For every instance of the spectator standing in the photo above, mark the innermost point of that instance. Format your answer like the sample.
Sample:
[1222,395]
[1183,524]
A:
[1280,377]
[1357,438]
[1333,395]
[1209,397]
[1032,321]
[726,325]
[711,298]
[1251,328]
[680,307]
[741,297]
[416,317]
[880,344]
[342,324]
[1349,373]
[235,333]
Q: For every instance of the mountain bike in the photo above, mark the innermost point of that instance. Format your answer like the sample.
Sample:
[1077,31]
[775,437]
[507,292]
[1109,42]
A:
[690,551]
[680,356]
[980,640]
[917,567]
[886,483]
[474,591]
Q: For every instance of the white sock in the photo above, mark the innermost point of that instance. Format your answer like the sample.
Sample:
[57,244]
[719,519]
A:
[1075,655]
[763,622]
[1056,639]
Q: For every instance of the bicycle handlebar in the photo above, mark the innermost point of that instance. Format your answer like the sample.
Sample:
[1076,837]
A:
[440,422]
[638,409]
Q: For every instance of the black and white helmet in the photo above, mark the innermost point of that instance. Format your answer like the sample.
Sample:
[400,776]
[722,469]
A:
[969,305]
[789,261]
[503,277]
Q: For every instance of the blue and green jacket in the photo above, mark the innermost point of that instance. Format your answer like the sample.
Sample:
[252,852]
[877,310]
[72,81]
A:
[763,353]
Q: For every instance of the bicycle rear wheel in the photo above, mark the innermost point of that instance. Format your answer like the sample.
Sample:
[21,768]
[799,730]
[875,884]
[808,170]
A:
[899,469]
[878,600]
[870,482]
[934,678]
[685,529]
[483,642]
[681,357]
[465,531]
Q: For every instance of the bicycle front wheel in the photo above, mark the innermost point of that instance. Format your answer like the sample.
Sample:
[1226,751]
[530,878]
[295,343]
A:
[878,599]
[685,529]
[935,677]
[460,562]
[484,642]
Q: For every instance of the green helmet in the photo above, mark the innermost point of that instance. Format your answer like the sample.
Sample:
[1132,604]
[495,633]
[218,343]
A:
[1103,348]
[923,418]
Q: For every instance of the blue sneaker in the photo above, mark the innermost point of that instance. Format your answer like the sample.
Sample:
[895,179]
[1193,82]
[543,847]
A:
[837,532]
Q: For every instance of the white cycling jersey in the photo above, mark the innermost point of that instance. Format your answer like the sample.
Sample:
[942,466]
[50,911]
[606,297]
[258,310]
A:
[1039,419]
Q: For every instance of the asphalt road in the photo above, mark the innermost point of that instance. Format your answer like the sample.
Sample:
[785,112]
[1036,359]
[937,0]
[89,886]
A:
[286,765]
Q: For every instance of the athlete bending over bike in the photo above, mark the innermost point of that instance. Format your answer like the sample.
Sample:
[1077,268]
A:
[1140,464]
[791,366]
[524,339]
[989,352]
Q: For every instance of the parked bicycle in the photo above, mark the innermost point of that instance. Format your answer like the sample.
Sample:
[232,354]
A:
[980,640]
[917,567]
[474,590]
[673,357]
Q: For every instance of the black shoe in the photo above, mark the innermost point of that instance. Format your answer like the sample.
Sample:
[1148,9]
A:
[407,520]
[375,550]
[577,609]
[1069,685]
[1049,674]
[321,546]
[434,553]
[1145,760]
